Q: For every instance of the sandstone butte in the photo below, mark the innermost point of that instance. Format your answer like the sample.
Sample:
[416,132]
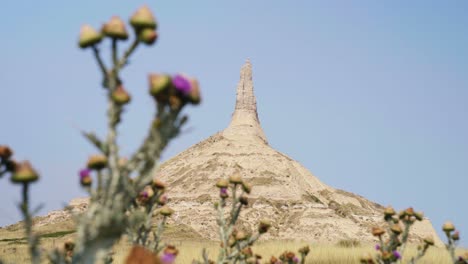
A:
[299,205]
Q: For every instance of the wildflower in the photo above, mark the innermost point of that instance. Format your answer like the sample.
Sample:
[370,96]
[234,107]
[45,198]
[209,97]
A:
[429,240]
[85,177]
[244,200]
[181,83]
[223,193]
[166,211]
[115,29]
[396,228]
[419,216]
[88,37]
[396,254]
[241,235]
[159,83]
[24,173]
[377,231]
[222,183]
[162,200]
[194,94]
[121,96]
[246,187]
[5,152]
[264,226]
[159,185]
[148,36]
[97,162]
[456,236]
[377,247]
[235,179]
[143,18]
[304,250]
[448,227]
[169,254]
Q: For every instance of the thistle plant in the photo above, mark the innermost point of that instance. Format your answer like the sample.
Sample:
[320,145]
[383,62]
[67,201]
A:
[22,173]
[125,199]
[123,194]
[235,246]
[393,247]
[288,257]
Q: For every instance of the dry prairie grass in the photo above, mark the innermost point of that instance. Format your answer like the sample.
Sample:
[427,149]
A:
[16,251]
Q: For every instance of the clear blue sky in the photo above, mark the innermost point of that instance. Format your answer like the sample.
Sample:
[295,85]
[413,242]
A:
[370,96]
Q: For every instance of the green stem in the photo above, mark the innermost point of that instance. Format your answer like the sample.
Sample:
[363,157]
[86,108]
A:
[123,61]
[32,239]
[101,64]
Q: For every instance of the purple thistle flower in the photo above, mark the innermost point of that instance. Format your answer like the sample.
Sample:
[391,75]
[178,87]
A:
[296,260]
[168,258]
[396,254]
[223,190]
[84,173]
[181,83]
[377,247]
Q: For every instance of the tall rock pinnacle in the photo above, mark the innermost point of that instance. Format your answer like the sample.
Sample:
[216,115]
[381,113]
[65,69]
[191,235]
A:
[245,123]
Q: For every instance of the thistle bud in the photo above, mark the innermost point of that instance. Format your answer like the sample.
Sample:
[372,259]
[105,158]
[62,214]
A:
[5,152]
[115,29]
[194,94]
[159,83]
[222,183]
[246,187]
[162,200]
[159,185]
[247,251]
[24,173]
[143,18]
[241,235]
[166,211]
[456,236]
[419,216]
[429,241]
[377,231]
[120,96]
[148,36]
[389,212]
[235,179]
[263,226]
[244,200]
[396,228]
[88,37]
[409,211]
[97,162]
[69,245]
[448,227]
[147,193]
[85,177]
[304,250]
[223,193]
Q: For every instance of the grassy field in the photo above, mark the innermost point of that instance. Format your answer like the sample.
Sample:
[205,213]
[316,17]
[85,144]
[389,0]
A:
[14,250]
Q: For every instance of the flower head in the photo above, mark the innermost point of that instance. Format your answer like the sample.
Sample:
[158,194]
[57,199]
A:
[182,83]
[377,247]
[396,254]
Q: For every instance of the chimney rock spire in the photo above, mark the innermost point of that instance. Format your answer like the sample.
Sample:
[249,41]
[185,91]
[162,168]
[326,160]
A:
[245,120]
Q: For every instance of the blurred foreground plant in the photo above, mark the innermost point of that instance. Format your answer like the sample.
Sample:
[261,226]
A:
[235,246]
[123,194]
[391,248]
